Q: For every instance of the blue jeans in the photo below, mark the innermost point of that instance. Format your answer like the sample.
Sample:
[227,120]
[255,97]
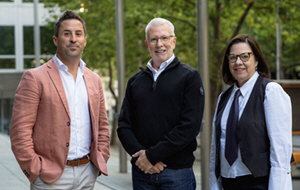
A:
[168,179]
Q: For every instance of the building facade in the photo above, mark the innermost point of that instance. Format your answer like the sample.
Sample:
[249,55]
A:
[17,49]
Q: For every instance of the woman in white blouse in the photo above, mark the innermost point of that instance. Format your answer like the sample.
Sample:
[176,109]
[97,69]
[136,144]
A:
[252,150]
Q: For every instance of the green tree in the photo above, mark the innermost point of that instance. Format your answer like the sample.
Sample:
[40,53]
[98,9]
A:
[227,18]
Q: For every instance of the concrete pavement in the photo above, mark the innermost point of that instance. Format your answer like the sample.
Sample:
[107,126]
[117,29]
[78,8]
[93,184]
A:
[12,178]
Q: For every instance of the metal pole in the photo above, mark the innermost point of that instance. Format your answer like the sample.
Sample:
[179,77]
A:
[19,38]
[2,114]
[203,67]
[278,42]
[121,71]
[37,48]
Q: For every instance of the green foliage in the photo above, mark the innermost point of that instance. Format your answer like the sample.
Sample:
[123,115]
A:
[226,19]
[289,17]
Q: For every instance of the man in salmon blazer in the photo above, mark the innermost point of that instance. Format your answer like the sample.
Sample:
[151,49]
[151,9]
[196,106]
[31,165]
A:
[59,130]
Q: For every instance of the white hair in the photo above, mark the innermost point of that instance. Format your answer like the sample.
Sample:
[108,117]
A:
[159,21]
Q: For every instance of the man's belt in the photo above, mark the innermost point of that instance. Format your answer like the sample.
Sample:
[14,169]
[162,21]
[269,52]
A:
[78,161]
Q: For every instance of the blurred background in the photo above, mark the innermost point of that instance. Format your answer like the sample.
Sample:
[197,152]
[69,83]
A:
[27,27]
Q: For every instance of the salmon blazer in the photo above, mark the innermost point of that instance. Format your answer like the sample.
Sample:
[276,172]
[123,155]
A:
[40,128]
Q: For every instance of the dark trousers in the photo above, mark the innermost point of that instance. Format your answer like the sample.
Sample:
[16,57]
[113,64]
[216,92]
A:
[247,182]
[168,179]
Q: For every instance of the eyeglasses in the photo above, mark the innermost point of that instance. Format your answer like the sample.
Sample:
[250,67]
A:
[164,39]
[244,57]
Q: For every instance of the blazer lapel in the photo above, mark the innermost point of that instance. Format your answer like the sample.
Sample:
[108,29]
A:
[93,103]
[56,79]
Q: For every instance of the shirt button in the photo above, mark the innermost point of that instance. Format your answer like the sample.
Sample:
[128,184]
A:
[68,123]
[67,144]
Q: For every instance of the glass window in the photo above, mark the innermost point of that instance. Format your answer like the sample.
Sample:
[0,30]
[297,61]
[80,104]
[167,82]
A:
[29,61]
[7,63]
[30,1]
[28,40]
[46,44]
[7,47]
[7,34]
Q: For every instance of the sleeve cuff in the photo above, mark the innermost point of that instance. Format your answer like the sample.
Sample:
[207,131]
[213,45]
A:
[280,179]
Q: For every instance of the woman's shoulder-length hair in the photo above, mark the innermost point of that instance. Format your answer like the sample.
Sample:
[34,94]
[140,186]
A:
[262,67]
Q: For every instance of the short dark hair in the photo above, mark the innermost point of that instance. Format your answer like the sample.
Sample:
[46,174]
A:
[262,67]
[67,16]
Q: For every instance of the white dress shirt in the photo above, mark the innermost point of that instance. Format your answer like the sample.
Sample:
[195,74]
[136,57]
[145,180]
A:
[161,68]
[78,102]
[278,114]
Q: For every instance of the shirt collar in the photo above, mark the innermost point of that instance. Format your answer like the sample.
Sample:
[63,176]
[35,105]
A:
[163,65]
[61,66]
[248,85]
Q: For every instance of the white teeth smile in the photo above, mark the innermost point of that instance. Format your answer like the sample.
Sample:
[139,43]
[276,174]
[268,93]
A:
[160,51]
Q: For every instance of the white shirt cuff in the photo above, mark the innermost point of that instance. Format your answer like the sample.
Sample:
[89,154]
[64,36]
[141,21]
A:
[280,179]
